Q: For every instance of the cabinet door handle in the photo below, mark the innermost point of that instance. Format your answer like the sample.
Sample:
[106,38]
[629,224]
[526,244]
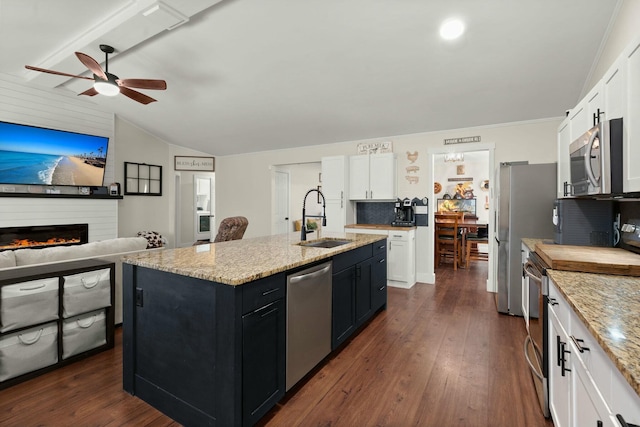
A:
[270,291]
[558,345]
[563,366]
[553,301]
[382,260]
[382,288]
[578,343]
[269,312]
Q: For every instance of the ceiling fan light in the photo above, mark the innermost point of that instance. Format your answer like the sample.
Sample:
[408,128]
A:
[106,88]
[451,29]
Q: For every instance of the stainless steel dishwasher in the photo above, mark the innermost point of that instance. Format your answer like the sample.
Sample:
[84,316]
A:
[308,320]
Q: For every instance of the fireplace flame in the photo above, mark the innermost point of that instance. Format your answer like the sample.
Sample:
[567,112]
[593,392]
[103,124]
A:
[28,243]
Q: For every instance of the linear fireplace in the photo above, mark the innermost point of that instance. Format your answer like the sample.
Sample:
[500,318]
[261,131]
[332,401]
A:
[41,236]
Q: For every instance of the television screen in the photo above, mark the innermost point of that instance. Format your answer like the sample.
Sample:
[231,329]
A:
[37,156]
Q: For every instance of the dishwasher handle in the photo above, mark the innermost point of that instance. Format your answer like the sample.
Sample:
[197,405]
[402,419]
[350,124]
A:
[311,275]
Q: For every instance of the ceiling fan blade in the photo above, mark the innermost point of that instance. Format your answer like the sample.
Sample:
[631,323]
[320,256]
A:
[136,96]
[143,83]
[92,65]
[57,73]
[89,92]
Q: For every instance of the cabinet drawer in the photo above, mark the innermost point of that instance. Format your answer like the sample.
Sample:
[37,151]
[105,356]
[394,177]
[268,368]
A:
[262,292]
[83,332]
[351,258]
[379,247]
[28,303]
[559,306]
[84,292]
[401,236]
[28,350]
[594,359]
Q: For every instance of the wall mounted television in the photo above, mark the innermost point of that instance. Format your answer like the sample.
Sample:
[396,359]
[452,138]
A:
[31,155]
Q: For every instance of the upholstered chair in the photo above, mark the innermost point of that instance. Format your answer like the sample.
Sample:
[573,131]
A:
[231,228]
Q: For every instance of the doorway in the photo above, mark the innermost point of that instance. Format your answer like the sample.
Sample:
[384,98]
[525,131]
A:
[281,202]
[462,176]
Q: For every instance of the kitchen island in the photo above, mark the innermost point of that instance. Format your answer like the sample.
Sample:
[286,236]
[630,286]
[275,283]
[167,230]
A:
[204,332]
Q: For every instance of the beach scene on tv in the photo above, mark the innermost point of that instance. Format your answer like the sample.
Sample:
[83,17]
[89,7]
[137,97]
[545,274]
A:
[37,156]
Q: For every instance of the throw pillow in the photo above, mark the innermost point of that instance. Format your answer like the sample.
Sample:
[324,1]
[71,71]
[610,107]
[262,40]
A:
[154,239]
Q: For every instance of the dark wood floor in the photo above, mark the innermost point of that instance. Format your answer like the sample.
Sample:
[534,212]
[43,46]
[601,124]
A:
[438,356]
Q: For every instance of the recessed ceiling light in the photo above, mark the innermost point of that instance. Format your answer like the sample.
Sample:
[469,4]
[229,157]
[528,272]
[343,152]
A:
[451,29]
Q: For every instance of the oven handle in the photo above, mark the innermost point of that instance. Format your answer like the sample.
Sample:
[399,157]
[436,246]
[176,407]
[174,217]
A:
[527,342]
[529,269]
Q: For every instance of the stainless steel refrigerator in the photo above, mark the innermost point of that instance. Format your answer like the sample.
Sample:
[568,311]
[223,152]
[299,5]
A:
[525,194]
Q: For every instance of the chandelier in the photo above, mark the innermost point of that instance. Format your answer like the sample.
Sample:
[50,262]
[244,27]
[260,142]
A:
[454,157]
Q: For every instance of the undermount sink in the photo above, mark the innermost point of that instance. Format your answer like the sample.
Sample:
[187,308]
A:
[324,243]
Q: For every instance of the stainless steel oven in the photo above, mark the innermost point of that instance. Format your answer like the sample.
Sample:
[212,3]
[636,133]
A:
[535,344]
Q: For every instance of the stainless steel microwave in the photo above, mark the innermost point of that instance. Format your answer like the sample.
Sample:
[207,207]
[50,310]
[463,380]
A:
[596,160]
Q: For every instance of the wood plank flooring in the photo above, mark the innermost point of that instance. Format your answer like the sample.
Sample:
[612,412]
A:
[440,355]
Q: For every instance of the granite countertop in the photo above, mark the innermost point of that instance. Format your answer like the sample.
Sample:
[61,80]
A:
[608,306]
[241,261]
[380,227]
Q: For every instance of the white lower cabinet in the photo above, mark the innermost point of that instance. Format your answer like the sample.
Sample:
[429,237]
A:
[401,259]
[401,255]
[559,375]
[585,387]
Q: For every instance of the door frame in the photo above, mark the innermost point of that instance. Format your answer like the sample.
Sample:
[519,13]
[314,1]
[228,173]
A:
[276,170]
[431,153]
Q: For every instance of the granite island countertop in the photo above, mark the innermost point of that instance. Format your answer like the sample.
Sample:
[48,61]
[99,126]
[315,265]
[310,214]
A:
[241,261]
[608,307]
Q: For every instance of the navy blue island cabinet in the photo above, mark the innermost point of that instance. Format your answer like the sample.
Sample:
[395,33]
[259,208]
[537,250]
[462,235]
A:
[211,354]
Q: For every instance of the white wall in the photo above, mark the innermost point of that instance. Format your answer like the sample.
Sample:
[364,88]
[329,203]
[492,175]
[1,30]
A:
[244,181]
[623,31]
[154,213]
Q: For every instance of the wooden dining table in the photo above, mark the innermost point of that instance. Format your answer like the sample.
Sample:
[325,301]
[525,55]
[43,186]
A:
[465,225]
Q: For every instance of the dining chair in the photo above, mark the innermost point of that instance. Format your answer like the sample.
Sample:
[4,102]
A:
[449,240]
[473,239]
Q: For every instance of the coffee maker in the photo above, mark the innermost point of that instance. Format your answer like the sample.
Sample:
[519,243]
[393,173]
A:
[405,215]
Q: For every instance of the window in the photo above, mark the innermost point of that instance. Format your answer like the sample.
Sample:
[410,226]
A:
[142,179]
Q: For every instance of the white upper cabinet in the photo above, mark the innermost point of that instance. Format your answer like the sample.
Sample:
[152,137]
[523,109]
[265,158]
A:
[372,177]
[335,187]
[616,95]
[631,182]
[564,139]
[335,176]
[615,100]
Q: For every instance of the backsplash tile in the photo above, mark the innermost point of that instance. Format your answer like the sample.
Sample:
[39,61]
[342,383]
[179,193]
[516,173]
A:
[375,212]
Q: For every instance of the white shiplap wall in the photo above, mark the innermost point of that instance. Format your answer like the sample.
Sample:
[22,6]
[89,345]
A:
[100,214]
[58,109]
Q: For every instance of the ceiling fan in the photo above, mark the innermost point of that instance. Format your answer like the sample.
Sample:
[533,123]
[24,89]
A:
[109,84]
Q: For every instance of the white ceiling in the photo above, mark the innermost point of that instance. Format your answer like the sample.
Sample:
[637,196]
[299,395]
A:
[254,75]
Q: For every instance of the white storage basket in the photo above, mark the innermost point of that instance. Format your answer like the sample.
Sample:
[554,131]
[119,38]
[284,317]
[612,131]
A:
[28,303]
[86,291]
[84,332]
[28,350]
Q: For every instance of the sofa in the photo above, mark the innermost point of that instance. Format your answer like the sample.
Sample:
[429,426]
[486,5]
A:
[111,250]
